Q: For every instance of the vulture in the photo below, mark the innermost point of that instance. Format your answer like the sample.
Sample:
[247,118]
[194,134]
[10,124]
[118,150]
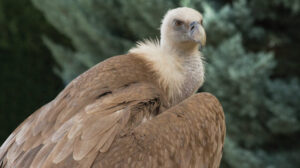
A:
[135,110]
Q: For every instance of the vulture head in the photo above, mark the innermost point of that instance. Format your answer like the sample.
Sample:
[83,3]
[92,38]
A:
[176,58]
[182,28]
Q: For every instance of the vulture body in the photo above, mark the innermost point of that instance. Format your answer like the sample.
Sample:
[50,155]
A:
[133,110]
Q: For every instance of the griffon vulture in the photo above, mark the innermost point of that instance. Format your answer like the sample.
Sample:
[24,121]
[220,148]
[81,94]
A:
[135,110]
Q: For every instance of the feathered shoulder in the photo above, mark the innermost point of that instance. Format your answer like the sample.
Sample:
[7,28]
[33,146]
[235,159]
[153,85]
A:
[163,62]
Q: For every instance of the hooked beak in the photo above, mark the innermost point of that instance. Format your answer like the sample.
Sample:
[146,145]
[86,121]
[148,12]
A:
[197,33]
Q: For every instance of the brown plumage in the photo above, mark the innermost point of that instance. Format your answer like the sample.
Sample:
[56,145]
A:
[133,110]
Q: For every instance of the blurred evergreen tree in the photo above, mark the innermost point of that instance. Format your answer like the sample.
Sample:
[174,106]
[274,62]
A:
[99,29]
[252,67]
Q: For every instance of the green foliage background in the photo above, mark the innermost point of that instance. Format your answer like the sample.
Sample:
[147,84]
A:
[26,78]
[252,62]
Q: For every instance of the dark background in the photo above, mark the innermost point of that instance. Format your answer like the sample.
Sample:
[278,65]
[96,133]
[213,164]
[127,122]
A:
[26,65]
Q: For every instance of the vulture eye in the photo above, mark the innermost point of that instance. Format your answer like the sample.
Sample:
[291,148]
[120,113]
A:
[178,22]
[201,22]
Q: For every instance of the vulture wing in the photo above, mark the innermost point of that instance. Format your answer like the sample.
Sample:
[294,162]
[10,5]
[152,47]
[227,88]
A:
[188,135]
[83,120]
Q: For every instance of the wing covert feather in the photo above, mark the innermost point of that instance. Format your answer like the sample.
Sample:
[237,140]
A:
[85,117]
[192,136]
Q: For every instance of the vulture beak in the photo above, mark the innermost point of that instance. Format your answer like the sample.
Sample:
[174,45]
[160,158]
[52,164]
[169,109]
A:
[197,33]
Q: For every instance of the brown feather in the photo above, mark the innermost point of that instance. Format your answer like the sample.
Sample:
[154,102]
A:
[7,143]
[104,145]
[27,157]
[65,150]
[82,147]
[100,124]
[42,155]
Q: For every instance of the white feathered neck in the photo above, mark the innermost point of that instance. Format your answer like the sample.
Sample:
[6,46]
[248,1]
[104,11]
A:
[166,63]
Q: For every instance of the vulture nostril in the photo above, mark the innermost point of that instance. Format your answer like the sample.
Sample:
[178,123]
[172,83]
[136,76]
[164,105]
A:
[192,26]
